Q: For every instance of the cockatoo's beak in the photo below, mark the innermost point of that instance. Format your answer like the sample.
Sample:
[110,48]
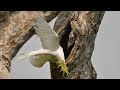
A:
[63,66]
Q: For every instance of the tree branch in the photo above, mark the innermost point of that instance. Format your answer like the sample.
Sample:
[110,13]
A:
[77,37]
[77,32]
[15,30]
[49,15]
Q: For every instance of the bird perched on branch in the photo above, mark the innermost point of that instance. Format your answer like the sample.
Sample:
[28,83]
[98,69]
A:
[51,50]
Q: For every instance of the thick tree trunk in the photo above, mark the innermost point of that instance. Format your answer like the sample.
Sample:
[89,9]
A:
[15,30]
[77,32]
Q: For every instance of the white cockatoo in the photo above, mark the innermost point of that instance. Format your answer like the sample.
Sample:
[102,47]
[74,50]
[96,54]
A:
[51,50]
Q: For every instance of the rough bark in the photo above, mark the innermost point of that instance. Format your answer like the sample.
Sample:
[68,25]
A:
[15,30]
[77,32]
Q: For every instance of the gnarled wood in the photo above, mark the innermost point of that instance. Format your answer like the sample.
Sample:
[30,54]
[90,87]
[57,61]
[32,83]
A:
[15,30]
[77,31]
[82,28]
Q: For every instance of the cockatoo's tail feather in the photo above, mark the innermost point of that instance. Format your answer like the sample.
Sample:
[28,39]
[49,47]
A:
[27,54]
[22,56]
[63,66]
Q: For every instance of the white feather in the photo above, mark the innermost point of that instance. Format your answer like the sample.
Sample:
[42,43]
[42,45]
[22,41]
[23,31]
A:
[48,36]
[50,51]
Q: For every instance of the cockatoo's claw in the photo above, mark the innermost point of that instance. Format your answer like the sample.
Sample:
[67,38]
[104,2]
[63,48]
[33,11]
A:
[63,66]
[58,66]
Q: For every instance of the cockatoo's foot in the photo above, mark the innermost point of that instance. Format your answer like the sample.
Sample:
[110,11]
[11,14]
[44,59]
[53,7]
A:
[63,66]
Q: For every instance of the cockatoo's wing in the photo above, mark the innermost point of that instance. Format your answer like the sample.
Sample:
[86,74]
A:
[40,59]
[48,36]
